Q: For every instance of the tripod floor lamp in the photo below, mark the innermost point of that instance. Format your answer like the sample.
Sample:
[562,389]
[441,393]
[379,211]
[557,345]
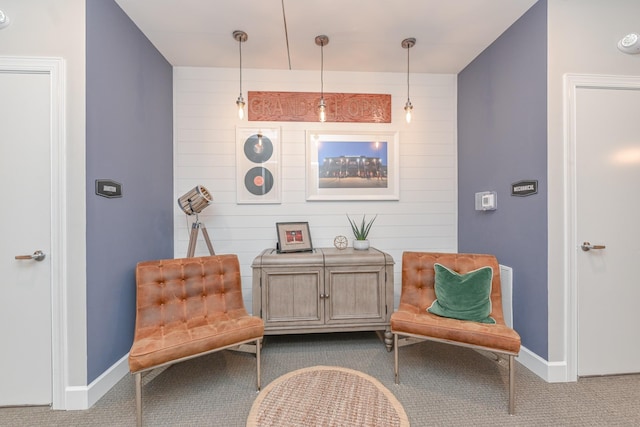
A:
[192,203]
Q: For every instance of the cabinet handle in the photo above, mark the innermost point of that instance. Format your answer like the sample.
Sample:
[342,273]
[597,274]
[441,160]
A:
[324,295]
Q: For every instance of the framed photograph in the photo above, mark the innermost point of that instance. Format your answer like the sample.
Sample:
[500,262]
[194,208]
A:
[352,165]
[293,237]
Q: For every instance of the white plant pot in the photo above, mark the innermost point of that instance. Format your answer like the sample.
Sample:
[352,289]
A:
[361,245]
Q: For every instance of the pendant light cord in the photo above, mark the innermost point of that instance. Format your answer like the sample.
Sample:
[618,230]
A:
[240,48]
[408,49]
[286,33]
[322,70]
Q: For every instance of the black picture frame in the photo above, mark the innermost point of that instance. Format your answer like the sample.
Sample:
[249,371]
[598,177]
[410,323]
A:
[293,237]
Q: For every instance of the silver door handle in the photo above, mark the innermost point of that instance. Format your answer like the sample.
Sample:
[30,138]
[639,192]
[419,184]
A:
[586,246]
[37,256]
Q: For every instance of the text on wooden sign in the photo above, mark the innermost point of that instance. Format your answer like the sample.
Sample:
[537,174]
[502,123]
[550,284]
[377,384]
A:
[303,107]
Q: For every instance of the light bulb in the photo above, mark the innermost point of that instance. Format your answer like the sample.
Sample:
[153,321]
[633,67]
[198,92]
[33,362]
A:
[323,110]
[408,108]
[240,104]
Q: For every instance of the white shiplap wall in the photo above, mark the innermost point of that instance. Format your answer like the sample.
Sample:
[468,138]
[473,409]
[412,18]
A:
[205,121]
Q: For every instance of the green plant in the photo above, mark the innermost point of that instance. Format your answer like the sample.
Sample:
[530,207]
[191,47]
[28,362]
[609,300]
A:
[361,231]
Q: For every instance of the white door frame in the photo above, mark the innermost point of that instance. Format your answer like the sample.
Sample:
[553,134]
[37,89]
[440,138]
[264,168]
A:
[573,82]
[55,68]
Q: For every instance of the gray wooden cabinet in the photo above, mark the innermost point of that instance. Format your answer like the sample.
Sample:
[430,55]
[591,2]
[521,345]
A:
[327,290]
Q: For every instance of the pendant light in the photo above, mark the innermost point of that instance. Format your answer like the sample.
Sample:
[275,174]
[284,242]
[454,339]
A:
[240,37]
[322,41]
[408,107]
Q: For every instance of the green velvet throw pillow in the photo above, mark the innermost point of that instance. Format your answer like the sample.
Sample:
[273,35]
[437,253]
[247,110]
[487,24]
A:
[463,296]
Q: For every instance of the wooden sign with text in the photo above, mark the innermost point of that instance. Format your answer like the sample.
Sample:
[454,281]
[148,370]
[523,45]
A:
[303,107]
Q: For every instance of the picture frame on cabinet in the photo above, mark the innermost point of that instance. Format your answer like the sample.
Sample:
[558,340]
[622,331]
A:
[293,237]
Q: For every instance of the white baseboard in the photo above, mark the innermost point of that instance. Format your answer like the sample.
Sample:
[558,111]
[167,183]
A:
[84,397]
[551,372]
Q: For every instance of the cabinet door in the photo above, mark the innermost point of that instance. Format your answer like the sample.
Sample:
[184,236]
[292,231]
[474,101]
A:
[356,294]
[291,297]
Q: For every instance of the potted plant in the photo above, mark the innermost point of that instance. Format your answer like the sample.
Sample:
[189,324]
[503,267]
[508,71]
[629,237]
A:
[361,231]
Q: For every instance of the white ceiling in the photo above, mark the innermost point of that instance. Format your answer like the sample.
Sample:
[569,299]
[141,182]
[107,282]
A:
[364,35]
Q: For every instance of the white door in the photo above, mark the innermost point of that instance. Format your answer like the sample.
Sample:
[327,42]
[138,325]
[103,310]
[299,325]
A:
[25,227]
[607,214]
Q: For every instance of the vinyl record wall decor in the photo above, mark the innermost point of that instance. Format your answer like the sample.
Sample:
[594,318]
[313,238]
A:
[258,165]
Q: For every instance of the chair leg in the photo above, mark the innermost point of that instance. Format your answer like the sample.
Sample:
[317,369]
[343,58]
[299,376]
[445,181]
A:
[395,357]
[258,345]
[512,378]
[138,378]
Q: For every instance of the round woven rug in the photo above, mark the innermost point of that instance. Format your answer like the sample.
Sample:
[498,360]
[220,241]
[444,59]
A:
[326,396]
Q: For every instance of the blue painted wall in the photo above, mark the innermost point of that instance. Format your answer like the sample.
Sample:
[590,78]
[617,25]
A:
[502,138]
[129,140]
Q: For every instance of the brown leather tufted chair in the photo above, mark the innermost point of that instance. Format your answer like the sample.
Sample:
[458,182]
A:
[412,319]
[187,308]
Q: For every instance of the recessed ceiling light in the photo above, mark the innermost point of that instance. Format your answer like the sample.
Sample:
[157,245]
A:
[630,43]
[4,20]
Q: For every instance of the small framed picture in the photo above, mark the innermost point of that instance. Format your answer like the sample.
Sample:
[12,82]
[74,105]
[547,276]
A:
[293,237]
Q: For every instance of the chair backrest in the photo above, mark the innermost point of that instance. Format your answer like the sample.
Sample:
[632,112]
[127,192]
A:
[186,290]
[418,277]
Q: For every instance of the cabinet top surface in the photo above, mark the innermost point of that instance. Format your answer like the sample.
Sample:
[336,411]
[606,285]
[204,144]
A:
[323,256]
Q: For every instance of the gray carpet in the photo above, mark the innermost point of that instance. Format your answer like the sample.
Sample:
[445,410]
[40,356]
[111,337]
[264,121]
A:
[440,385]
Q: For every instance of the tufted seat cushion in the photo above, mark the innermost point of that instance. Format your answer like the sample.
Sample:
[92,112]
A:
[413,320]
[186,307]
[418,294]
